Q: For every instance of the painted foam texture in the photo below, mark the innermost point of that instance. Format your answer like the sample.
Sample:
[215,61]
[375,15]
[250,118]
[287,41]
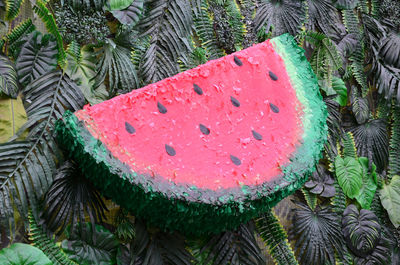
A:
[188,208]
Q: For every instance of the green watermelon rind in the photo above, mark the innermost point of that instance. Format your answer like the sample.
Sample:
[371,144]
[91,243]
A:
[191,210]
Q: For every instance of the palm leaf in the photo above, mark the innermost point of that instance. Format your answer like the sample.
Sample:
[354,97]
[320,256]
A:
[372,141]
[169,25]
[9,84]
[322,15]
[40,240]
[233,247]
[70,199]
[38,56]
[51,26]
[46,99]
[283,16]
[317,235]
[115,63]
[274,236]
[26,172]
[155,249]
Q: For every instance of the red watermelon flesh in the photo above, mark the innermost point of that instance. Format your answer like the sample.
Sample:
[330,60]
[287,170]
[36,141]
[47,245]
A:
[200,130]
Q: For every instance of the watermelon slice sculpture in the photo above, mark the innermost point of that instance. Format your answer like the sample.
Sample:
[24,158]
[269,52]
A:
[209,148]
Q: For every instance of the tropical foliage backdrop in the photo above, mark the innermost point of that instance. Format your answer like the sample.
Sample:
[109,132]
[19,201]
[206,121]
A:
[73,52]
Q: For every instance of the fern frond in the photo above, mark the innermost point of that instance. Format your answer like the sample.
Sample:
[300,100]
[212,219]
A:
[275,237]
[394,144]
[339,200]
[12,8]
[16,35]
[349,145]
[235,22]
[51,26]
[204,29]
[40,240]
[351,23]
[375,4]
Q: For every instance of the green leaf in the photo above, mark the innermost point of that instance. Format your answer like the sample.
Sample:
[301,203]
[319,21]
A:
[38,56]
[118,4]
[89,245]
[349,174]
[341,90]
[23,254]
[361,229]
[51,26]
[8,78]
[12,8]
[369,184]
[390,198]
[12,117]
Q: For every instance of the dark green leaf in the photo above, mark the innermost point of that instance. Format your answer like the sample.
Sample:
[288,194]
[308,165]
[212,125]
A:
[38,56]
[70,199]
[317,234]
[361,230]
[9,84]
[284,16]
[89,245]
[372,141]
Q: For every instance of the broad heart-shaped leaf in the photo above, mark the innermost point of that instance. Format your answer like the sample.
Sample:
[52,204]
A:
[23,254]
[89,245]
[131,14]
[349,174]
[38,56]
[8,78]
[369,184]
[361,229]
[12,117]
[390,198]
[118,4]
[81,68]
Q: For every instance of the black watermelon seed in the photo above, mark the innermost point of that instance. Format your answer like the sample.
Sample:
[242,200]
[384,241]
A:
[237,61]
[129,128]
[161,108]
[170,150]
[274,108]
[197,89]
[235,102]
[236,160]
[273,76]
[256,135]
[204,129]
